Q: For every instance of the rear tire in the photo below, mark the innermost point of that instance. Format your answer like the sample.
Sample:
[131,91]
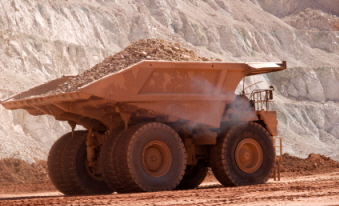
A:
[75,171]
[54,164]
[194,176]
[107,162]
[150,157]
[245,155]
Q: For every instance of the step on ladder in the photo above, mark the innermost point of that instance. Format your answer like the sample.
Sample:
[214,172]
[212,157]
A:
[277,143]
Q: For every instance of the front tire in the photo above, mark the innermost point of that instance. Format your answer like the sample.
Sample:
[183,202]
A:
[245,155]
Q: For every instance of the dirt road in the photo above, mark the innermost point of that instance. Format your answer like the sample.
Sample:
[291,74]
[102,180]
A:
[319,189]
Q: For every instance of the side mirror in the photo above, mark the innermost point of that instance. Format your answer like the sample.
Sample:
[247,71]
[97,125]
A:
[270,93]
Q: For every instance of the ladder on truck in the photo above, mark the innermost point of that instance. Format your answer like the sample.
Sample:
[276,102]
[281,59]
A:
[261,99]
[277,142]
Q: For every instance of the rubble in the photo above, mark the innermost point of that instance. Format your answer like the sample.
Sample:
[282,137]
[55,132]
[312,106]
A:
[314,163]
[144,49]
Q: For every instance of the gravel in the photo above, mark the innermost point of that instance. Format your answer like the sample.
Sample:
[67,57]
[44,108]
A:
[145,49]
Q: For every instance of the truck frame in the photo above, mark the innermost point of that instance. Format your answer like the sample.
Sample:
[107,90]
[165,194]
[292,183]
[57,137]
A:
[159,125]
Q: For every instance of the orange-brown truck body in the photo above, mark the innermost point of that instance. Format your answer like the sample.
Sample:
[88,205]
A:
[196,92]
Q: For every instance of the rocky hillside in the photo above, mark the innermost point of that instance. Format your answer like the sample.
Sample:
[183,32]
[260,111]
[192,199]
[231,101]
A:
[43,40]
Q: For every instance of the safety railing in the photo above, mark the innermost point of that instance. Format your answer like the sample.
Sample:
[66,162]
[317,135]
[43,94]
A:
[261,98]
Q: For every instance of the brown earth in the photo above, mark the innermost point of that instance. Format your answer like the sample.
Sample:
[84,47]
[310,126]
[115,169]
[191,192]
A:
[313,164]
[17,176]
[311,190]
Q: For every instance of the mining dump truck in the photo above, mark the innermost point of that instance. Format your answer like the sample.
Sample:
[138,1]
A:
[159,125]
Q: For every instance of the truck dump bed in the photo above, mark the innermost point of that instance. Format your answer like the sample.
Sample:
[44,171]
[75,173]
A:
[194,91]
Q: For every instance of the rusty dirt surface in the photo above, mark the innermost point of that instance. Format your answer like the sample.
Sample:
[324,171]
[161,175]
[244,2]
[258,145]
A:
[318,189]
[310,181]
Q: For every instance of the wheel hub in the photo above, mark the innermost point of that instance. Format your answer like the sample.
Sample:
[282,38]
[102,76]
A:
[156,158]
[248,155]
[245,156]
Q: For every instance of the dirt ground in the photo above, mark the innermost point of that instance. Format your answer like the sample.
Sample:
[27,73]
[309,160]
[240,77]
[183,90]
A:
[310,181]
[318,189]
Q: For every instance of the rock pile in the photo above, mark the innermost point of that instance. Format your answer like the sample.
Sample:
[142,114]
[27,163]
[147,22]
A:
[145,49]
[314,163]
[314,20]
[19,176]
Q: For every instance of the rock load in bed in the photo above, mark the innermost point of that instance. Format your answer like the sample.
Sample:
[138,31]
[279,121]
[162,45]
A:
[145,49]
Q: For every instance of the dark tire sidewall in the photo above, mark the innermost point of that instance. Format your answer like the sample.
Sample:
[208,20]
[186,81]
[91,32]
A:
[75,171]
[54,163]
[258,133]
[193,176]
[165,135]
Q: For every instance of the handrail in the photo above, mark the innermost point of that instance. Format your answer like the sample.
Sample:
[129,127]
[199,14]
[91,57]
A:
[261,98]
